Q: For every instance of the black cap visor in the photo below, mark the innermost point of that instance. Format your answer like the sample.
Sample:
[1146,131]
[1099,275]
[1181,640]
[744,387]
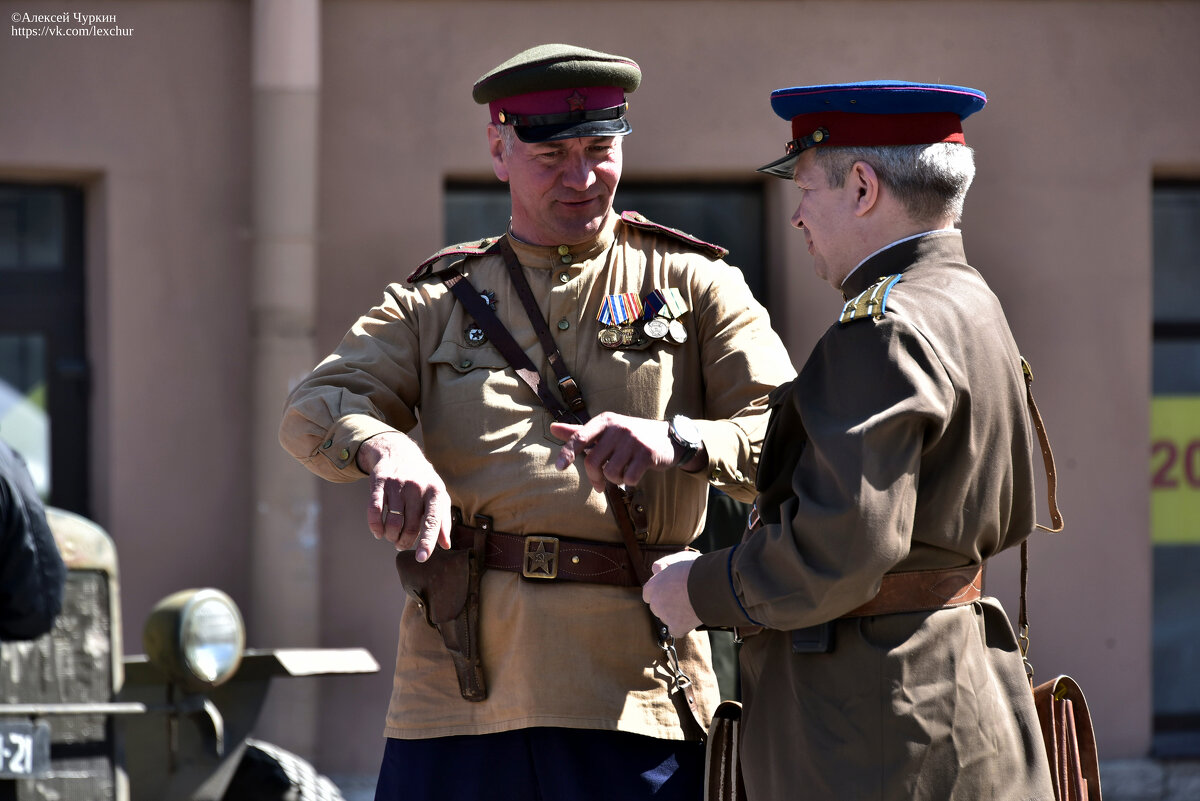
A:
[549,133]
[782,168]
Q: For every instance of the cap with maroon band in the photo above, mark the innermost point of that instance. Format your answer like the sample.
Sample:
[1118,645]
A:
[870,114]
[558,91]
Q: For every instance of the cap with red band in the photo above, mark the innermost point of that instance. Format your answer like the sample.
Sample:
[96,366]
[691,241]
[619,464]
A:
[560,91]
[871,114]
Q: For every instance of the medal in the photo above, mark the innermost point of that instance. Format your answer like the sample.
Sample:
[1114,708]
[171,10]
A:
[624,337]
[475,335]
[677,332]
[610,337]
[656,328]
[617,314]
[634,339]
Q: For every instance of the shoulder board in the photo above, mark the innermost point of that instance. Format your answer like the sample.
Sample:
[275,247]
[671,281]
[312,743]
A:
[871,302]
[476,248]
[638,221]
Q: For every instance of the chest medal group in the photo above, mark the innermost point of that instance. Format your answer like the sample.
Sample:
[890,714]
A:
[629,323]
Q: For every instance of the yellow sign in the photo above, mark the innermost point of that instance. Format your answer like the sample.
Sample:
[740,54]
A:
[1175,469]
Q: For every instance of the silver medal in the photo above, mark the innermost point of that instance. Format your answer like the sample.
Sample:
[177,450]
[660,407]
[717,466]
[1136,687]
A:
[677,332]
[656,328]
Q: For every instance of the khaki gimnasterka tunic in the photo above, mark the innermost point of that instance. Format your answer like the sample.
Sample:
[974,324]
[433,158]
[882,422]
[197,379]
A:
[904,444]
[554,654]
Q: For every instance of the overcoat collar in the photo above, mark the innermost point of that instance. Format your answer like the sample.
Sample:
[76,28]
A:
[939,245]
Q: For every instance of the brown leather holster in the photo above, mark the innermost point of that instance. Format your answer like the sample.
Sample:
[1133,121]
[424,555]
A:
[446,588]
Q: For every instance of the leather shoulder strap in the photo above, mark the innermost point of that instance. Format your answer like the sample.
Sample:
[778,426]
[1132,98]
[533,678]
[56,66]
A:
[470,298]
[1047,455]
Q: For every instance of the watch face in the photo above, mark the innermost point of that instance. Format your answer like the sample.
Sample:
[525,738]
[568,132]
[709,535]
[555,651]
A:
[686,430]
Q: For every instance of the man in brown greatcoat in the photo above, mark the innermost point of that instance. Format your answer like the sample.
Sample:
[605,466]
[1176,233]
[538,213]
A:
[895,465]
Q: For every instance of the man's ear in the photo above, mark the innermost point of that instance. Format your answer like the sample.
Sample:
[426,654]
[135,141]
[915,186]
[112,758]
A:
[866,186]
[496,148]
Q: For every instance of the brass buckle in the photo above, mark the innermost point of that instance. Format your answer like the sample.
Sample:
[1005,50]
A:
[541,558]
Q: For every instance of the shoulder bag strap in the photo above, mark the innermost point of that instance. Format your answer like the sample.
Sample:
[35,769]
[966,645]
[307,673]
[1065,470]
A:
[1056,518]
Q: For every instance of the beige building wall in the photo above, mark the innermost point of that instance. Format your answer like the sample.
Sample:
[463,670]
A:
[1088,103]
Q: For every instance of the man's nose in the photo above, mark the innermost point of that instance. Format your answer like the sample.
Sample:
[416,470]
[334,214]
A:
[797,220]
[578,174]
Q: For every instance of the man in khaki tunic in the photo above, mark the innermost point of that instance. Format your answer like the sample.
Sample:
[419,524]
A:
[563,688]
[895,465]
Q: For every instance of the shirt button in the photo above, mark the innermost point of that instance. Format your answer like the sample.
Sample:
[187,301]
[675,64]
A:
[465,363]
[564,277]
[563,250]
[327,443]
[566,259]
[563,324]
[344,455]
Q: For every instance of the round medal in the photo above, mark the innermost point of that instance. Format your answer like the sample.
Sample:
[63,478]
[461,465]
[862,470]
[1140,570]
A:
[656,328]
[636,340]
[610,337]
[678,332]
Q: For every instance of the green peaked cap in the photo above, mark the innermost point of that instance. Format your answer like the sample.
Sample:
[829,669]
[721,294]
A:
[556,66]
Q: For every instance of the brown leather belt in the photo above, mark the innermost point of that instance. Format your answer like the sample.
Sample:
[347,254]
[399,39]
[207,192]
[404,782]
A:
[923,591]
[915,591]
[548,557]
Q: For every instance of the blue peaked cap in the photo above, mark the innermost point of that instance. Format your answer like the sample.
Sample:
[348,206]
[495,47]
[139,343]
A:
[871,113]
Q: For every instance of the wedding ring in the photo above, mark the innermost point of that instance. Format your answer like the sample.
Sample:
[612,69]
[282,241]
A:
[394,512]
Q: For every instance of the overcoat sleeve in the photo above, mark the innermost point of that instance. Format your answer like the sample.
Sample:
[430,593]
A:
[848,439]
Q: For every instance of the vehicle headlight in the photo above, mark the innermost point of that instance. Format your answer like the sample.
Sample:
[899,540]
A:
[196,637]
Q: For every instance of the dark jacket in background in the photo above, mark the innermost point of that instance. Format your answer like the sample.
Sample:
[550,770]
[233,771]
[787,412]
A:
[31,570]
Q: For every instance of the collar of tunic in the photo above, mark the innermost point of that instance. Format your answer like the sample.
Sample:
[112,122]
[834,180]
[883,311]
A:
[555,256]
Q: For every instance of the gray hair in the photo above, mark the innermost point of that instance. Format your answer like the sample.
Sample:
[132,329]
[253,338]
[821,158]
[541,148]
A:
[930,180]
[508,136]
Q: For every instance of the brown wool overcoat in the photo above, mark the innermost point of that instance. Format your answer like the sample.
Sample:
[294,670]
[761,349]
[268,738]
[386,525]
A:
[904,444]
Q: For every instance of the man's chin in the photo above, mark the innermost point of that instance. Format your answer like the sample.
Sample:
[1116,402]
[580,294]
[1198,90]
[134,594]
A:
[583,227]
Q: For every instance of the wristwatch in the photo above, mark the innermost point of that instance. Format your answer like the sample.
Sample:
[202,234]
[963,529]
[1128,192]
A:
[685,436]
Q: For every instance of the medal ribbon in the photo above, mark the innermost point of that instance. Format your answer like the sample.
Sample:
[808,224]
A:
[617,309]
[668,302]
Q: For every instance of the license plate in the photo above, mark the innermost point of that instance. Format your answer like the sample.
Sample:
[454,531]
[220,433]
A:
[24,749]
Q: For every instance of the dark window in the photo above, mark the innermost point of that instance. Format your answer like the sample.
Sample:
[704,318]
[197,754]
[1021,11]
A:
[727,214]
[1175,468]
[43,367]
